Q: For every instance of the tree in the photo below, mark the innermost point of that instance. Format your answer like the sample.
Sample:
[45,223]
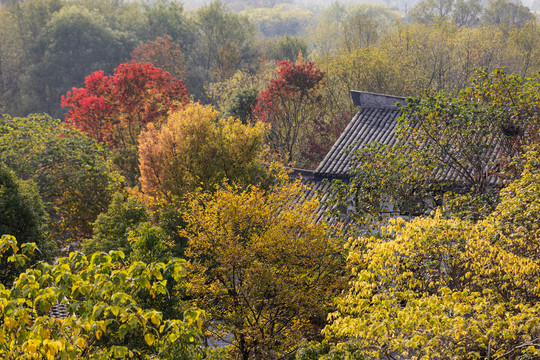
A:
[69,168]
[22,214]
[507,13]
[163,53]
[111,229]
[498,113]
[195,148]
[261,268]
[166,18]
[466,12]
[447,149]
[103,318]
[11,58]
[241,104]
[223,94]
[462,12]
[286,47]
[360,30]
[115,109]
[74,43]
[225,43]
[280,20]
[440,288]
[289,104]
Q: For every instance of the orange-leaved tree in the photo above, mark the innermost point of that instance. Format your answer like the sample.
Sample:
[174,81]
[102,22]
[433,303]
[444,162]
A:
[162,53]
[196,148]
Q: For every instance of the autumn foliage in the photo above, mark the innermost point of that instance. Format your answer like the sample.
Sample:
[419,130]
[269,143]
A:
[440,288]
[264,272]
[114,109]
[290,104]
[196,148]
[162,53]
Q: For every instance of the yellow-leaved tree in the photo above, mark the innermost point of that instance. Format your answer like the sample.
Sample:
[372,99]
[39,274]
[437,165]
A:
[97,311]
[440,288]
[196,148]
[265,272]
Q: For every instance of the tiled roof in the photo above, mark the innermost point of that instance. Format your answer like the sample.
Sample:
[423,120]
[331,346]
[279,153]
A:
[375,122]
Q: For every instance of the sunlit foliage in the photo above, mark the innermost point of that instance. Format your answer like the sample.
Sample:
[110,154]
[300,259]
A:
[440,288]
[196,148]
[103,320]
[261,268]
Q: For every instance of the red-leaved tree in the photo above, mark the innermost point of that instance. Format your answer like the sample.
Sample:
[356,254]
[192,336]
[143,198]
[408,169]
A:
[290,104]
[114,109]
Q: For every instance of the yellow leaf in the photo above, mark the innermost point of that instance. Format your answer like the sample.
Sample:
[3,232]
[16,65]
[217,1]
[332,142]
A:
[10,323]
[155,320]
[149,338]
[81,343]
[50,354]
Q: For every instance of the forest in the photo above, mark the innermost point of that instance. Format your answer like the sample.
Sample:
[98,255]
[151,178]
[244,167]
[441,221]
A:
[149,207]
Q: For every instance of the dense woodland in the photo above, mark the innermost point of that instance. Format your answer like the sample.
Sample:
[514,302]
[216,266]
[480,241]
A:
[145,151]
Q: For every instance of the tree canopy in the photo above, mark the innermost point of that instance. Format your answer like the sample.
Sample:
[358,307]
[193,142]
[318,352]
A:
[290,104]
[69,168]
[22,215]
[440,287]
[196,148]
[104,319]
[263,270]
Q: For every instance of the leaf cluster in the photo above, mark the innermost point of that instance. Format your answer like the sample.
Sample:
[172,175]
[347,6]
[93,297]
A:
[103,320]
[261,268]
[439,288]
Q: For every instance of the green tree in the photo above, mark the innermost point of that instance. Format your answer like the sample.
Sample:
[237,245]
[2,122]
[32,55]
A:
[241,105]
[224,93]
[166,18]
[286,47]
[11,59]
[280,20]
[111,229]
[22,214]
[462,12]
[507,13]
[104,319]
[74,43]
[225,43]
[69,169]
[262,268]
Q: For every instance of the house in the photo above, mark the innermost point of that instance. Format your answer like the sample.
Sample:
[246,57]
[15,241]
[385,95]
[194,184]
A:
[376,121]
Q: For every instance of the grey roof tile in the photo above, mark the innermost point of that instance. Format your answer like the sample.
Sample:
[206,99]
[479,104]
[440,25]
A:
[371,123]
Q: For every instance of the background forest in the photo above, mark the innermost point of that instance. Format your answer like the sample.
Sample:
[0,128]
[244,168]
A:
[144,182]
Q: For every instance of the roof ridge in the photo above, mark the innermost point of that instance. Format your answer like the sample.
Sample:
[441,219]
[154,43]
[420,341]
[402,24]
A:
[366,99]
